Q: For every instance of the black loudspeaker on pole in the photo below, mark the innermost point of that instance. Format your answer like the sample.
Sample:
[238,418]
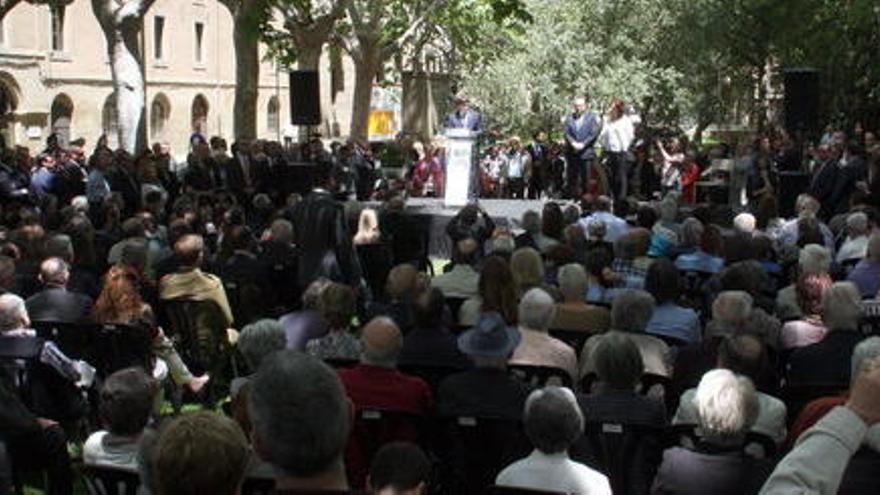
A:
[305,98]
[801,102]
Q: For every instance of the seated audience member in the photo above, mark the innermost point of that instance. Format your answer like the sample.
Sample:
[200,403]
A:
[497,292]
[31,441]
[337,307]
[404,284]
[619,370]
[746,356]
[375,383]
[486,390]
[596,232]
[527,269]
[200,453]
[462,281]
[256,341]
[812,258]
[126,403]
[301,421]
[858,232]
[819,460]
[574,313]
[55,303]
[533,236]
[399,468]
[82,280]
[614,226]
[600,278]
[865,351]
[866,274]
[307,323]
[631,264]
[827,362]
[630,313]
[749,277]
[431,343]
[190,282]
[133,232]
[693,257]
[536,346]
[553,422]
[726,406]
[809,329]
[670,319]
[120,303]
[806,207]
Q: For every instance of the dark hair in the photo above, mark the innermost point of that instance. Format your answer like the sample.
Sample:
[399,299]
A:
[399,465]
[809,232]
[743,354]
[553,221]
[428,308]
[646,217]
[662,281]
[497,288]
[127,401]
[552,421]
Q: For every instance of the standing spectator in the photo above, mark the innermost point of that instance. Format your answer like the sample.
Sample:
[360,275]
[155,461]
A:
[539,165]
[517,163]
[581,131]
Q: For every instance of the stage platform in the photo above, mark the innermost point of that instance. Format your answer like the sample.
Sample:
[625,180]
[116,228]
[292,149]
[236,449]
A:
[436,216]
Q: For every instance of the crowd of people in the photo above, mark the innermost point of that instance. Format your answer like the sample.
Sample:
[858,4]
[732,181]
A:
[735,342]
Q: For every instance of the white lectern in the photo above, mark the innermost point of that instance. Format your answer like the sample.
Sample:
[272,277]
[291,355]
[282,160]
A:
[459,163]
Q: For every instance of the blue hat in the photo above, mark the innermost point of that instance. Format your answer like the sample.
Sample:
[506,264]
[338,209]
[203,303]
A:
[490,337]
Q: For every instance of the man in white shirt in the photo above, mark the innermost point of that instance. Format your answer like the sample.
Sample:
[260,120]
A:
[553,421]
[462,281]
[855,247]
[618,133]
[615,227]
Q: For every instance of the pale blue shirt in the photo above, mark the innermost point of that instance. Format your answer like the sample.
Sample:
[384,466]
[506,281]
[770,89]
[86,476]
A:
[675,321]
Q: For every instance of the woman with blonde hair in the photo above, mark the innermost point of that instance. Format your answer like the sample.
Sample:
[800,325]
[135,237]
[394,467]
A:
[368,228]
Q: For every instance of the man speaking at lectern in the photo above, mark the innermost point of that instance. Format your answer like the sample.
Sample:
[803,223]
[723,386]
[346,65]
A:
[464,118]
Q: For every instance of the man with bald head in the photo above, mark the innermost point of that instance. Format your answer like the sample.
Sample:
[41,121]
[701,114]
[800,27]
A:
[55,303]
[376,384]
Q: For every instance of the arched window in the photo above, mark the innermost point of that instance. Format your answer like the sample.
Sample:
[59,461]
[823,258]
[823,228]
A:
[273,117]
[199,115]
[160,111]
[62,115]
[110,121]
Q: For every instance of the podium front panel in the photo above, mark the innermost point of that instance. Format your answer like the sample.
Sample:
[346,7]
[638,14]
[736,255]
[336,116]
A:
[459,157]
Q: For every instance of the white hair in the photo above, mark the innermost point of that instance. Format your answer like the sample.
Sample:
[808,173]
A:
[814,258]
[727,405]
[842,306]
[536,310]
[866,350]
[745,223]
[632,310]
[572,280]
[13,312]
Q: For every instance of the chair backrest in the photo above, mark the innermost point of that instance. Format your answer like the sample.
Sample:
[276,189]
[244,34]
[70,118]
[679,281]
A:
[474,450]
[628,454]
[76,340]
[511,490]
[200,330]
[432,375]
[374,428]
[575,339]
[757,445]
[649,384]
[246,299]
[257,486]
[540,376]
[119,346]
[101,480]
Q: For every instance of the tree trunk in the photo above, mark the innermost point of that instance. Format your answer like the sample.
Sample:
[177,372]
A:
[128,81]
[247,75]
[365,67]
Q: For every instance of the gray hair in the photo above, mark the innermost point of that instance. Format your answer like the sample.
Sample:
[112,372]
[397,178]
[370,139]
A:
[732,307]
[857,224]
[691,232]
[572,279]
[61,246]
[552,419]
[842,306]
[814,258]
[618,361]
[631,310]
[864,351]
[727,406]
[300,414]
[12,312]
[597,228]
[537,310]
[282,231]
[312,295]
[259,339]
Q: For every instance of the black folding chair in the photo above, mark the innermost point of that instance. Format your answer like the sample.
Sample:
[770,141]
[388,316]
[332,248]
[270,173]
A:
[374,428]
[100,480]
[76,340]
[540,376]
[120,346]
[432,375]
[474,450]
[756,444]
[575,339]
[628,454]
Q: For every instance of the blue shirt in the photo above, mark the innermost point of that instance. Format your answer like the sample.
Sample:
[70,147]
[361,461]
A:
[699,261]
[675,321]
[866,276]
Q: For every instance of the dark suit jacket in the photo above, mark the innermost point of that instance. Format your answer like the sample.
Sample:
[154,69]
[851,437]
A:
[406,235]
[125,183]
[432,347]
[587,133]
[58,305]
[697,472]
[482,392]
[325,244]
[825,362]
